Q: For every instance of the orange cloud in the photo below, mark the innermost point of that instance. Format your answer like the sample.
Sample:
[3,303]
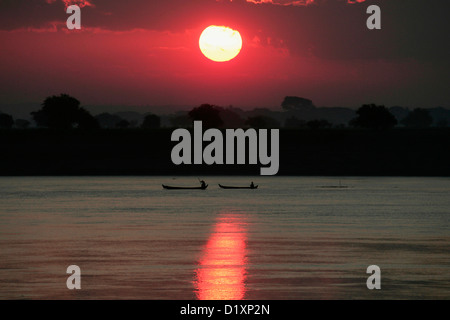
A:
[80,3]
[284,2]
[295,3]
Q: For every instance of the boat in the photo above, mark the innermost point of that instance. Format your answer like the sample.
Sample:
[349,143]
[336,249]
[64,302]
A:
[231,187]
[185,188]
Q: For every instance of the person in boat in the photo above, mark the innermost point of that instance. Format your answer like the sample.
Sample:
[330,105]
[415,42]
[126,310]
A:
[252,185]
[203,184]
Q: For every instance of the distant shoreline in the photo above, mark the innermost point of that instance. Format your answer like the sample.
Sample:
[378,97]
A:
[330,152]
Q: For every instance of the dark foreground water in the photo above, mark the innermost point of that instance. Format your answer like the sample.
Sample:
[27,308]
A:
[292,238]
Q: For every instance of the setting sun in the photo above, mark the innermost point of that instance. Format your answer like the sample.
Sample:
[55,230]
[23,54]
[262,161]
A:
[219,43]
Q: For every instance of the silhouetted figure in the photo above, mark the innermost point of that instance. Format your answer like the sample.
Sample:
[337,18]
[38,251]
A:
[203,184]
[252,185]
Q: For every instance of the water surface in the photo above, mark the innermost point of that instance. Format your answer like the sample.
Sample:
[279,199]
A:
[292,238]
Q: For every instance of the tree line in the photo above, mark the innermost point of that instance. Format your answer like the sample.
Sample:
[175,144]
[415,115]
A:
[65,112]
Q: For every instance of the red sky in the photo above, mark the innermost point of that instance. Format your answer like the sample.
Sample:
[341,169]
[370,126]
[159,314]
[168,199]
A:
[142,52]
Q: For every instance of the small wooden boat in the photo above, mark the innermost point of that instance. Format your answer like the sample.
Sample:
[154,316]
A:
[185,188]
[230,187]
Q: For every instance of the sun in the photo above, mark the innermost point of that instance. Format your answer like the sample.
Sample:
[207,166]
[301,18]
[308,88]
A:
[220,43]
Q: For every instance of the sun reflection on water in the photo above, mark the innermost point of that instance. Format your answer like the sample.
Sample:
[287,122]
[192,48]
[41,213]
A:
[221,272]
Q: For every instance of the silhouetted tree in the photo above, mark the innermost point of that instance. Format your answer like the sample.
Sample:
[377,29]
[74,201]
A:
[318,124]
[63,112]
[418,118]
[22,123]
[151,121]
[86,120]
[371,116]
[294,122]
[180,121]
[123,124]
[297,103]
[208,114]
[107,120]
[262,122]
[443,123]
[6,121]
[399,113]
[230,118]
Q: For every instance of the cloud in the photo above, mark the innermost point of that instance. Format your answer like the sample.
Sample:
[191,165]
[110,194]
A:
[284,3]
[67,3]
[298,2]
[140,51]
[329,29]
[119,14]
[80,3]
